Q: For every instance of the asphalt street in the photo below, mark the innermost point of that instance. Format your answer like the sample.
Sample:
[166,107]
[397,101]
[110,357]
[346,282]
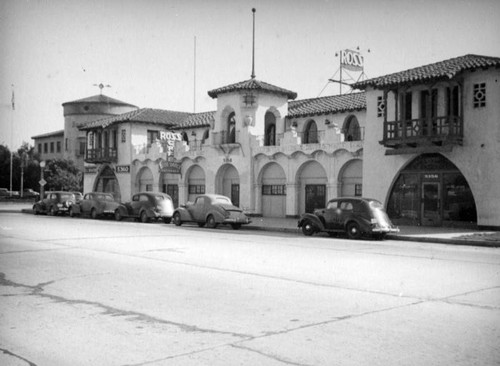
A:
[100,292]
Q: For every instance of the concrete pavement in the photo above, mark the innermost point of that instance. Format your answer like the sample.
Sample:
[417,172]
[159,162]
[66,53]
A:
[442,235]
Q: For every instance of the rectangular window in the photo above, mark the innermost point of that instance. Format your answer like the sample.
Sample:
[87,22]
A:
[66,144]
[428,104]
[358,190]
[149,188]
[114,139]
[479,95]
[274,190]
[380,106]
[452,101]
[153,136]
[45,147]
[124,136]
[52,147]
[196,189]
[40,148]
[407,101]
[82,148]
[58,146]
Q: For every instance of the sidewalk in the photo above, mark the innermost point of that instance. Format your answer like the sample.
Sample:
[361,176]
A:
[443,235]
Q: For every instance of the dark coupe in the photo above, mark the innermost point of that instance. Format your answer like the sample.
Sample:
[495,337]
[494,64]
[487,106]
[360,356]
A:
[355,216]
[211,210]
[57,202]
[147,206]
[95,204]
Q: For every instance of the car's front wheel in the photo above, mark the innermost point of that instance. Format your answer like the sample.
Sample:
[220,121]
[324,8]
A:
[353,230]
[52,211]
[177,219]
[118,215]
[70,212]
[37,211]
[144,217]
[211,223]
[308,228]
[167,220]
[236,226]
[93,213]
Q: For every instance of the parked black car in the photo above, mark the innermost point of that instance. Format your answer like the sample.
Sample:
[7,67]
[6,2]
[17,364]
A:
[147,206]
[355,216]
[54,203]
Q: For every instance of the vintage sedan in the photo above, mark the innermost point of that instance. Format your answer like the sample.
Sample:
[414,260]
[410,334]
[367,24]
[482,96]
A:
[54,203]
[147,206]
[355,216]
[211,210]
[95,204]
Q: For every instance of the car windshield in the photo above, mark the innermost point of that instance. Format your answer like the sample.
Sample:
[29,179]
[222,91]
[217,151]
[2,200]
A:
[223,200]
[66,196]
[105,197]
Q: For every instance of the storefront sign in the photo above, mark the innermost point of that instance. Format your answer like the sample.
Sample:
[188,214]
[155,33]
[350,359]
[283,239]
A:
[170,166]
[431,176]
[170,138]
[90,170]
[352,60]
[122,169]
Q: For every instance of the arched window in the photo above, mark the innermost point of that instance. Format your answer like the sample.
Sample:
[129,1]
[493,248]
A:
[311,133]
[231,128]
[270,132]
[185,137]
[351,129]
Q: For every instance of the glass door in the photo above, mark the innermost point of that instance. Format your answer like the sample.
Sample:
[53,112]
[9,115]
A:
[431,203]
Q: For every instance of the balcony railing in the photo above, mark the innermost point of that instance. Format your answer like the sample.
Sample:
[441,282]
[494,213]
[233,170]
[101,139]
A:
[424,131]
[101,155]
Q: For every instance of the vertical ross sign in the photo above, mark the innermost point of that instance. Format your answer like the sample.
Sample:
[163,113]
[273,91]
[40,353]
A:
[170,166]
[352,60]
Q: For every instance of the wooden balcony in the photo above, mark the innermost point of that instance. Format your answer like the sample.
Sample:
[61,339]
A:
[101,155]
[423,135]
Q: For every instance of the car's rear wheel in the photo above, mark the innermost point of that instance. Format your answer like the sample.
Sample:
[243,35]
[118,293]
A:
[70,212]
[118,215]
[52,211]
[167,220]
[93,213]
[37,211]
[144,217]
[353,230]
[177,219]
[236,226]
[211,222]
[308,228]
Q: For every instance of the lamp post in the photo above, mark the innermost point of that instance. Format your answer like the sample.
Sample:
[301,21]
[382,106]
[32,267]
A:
[42,181]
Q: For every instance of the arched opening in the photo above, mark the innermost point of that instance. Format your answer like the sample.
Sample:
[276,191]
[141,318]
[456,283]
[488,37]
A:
[311,133]
[312,181]
[270,129]
[351,179]
[273,197]
[196,182]
[145,180]
[107,182]
[185,137]
[228,183]
[432,191]
[351,129]
[231,128]
[205,137]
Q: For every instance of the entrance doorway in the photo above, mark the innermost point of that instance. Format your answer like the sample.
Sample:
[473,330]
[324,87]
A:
[431,202]
[315,197]
[173,191]
[235,194]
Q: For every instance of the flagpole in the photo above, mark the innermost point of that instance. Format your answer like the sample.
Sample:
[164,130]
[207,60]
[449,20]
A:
[12,136]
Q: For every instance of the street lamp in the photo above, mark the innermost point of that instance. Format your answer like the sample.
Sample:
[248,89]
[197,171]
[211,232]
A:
[42,181]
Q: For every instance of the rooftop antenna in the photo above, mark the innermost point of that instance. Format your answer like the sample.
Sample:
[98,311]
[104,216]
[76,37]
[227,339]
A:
[194,71]
[253,45]
[102,86]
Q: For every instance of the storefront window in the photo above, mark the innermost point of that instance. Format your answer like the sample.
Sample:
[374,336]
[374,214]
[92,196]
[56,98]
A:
[458,202]
[404,200]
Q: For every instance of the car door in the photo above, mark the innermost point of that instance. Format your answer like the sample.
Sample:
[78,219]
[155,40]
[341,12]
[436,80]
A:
[85,203]
[134,205]
[346,210]
[197,210]
[332,215]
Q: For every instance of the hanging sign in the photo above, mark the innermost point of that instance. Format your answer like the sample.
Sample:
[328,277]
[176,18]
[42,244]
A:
[352,60]
[170,138]
[170,166]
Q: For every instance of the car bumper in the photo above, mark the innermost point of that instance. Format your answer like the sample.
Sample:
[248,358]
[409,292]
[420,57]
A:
[385,230]
[237,221]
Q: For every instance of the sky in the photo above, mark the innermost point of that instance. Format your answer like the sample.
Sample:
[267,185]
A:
[168,54]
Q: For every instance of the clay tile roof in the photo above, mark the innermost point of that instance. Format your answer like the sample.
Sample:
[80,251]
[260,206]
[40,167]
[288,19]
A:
[49,134]
[203,119]
[252,84]
[100,98]
[437,71]
[144,115]
[327,105]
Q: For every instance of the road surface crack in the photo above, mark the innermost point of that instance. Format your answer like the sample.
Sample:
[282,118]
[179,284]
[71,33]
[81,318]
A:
[9,353]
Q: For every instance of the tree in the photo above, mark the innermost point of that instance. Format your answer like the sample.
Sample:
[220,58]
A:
[62,175]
